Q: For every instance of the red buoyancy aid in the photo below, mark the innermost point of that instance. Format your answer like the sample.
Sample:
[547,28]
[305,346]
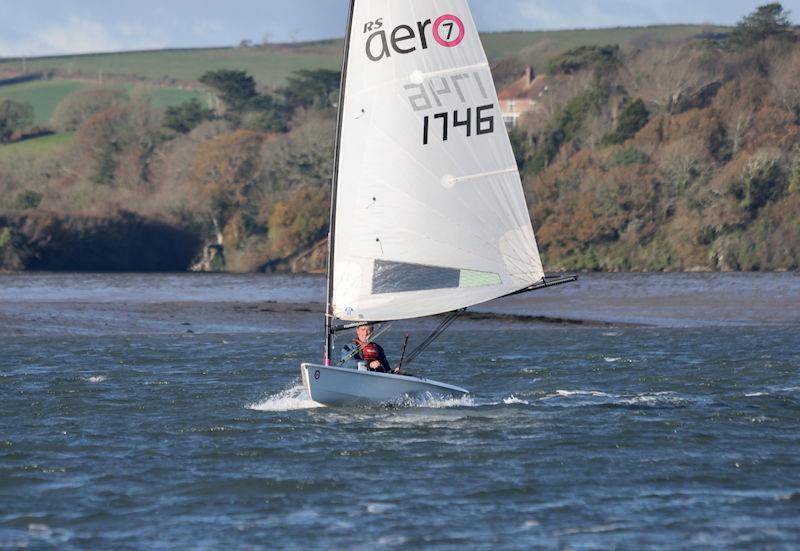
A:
[369,351]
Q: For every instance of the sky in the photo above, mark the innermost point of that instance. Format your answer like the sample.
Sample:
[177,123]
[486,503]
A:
[50,27]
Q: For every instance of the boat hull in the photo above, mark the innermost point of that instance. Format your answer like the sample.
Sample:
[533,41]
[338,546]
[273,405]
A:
[337,386]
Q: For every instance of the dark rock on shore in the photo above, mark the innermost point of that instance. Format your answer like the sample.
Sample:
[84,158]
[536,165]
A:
[122,242]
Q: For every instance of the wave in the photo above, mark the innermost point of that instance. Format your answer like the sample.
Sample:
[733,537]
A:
[95,379]
[569,393]
[289,399]
[429,400]
[774,392]
[655,399]
[514,400]
[597,397]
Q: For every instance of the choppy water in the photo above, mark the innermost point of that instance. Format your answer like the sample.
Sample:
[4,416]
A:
[670,436]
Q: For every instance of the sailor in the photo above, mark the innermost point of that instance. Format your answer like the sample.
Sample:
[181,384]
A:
[363,350]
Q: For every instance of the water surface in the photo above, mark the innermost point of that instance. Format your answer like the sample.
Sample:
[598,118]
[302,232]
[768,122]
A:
[137,433]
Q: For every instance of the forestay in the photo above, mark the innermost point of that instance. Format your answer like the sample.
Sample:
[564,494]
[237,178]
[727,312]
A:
[430,214]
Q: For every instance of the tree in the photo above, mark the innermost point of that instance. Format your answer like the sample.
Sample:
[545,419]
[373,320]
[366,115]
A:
[82,104]
[28,199]
[301,157]
[567,123]
[785,75]
[669,77]
[237,87]
[317,88]
[268,115]
[298,220]
[14,115]
[768,20]
[184,117]
[632,119]
[117,145]
[223,173]
[602,58]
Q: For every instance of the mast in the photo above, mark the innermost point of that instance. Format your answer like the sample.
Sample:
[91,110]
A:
[334,186]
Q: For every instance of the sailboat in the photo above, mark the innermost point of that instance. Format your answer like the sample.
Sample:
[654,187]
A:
[428,215]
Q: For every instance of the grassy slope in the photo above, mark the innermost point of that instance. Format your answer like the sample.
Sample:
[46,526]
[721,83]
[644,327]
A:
[511,44]
[271,65]
[45,95]
[35,147]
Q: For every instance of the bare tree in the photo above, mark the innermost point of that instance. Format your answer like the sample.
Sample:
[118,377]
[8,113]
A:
[667,76]
[785,73]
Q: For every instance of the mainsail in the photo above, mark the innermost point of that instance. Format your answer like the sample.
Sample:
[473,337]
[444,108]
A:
[430,215]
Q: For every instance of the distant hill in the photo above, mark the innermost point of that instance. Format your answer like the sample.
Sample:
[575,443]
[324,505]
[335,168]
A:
[658,148]
[157,73]
[270,65]
[45,95]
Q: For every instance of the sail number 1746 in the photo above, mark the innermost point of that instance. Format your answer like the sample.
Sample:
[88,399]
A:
[478,122]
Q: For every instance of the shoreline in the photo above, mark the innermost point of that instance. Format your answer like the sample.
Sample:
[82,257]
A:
[74,318]
[98,304]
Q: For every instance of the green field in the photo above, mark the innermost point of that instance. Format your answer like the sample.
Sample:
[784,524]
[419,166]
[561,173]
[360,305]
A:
[36,147]
[271,65]
[153,75]
[45,95]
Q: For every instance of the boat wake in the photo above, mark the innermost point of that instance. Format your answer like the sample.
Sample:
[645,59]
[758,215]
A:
[596,397]
[436,402]
[292,398]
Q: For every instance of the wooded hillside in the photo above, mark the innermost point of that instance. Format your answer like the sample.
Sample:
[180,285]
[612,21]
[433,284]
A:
[654,156]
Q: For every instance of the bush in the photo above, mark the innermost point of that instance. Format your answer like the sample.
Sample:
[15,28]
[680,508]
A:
[82,104]
[318,88]
[14,116]
[763,181]
[5,236]
[632,119]
[186,116]
[28,199]
[706,235]
[577,59]
[237,87]
[566,124]
[794,183]
[629,156]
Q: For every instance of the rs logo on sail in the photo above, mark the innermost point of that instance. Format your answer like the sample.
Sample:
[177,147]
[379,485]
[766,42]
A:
[447,30]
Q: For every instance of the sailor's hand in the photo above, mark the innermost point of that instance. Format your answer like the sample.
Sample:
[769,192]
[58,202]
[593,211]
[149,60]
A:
[396,370]
[375,364]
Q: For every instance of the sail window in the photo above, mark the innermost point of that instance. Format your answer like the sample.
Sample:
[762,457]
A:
[472,278]
[400,277]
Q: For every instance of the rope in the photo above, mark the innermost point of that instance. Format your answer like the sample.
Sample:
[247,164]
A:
[433,336]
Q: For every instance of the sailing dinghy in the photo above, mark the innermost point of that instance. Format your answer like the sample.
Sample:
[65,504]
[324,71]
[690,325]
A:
[427,210]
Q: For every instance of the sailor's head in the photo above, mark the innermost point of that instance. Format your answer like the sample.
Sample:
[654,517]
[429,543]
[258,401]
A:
[364,332]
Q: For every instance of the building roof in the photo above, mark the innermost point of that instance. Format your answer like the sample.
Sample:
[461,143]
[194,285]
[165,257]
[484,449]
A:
[524,88]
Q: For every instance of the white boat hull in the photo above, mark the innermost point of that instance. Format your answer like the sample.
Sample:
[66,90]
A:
[338,386]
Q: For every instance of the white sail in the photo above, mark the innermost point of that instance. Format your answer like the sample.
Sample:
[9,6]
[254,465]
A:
[430,214]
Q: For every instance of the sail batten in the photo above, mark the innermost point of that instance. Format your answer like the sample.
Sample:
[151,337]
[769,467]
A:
[457,179]
[430,216]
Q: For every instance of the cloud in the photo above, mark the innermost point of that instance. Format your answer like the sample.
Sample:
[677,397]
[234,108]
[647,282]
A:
[47,27]
[79,36]
[74,36]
